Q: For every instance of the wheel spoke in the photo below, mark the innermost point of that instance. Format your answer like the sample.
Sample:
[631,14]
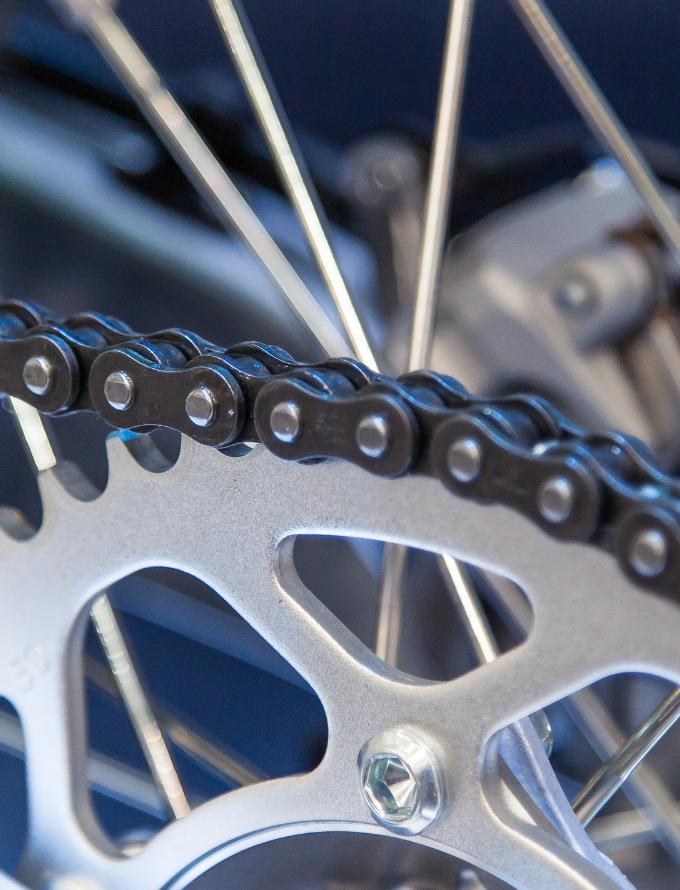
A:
[612,774]
[390,602]
[137,704]
[469,610]
[292,168]
[440,179]
[200,165]
[225,765]
[598,113]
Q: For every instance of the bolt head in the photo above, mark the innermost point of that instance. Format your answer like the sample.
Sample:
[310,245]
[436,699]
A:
[286,422]
[38,375]
[556,499]
[575,296]
[201,406]
[649,552]
[401,781]
[119,390]
[465,459]
[372,435]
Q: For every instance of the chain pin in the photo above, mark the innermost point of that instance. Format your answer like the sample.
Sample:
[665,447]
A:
[372,435]
[465,459]
[119,390]
[556,499]
[38,375]
[286,422]
[649,552]
[201,406]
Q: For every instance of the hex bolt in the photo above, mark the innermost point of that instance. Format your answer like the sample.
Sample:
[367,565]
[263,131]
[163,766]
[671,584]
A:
[649,552]
[556,499]
[286,422]
[575,296]
[38,375]
[119,390]
[465,459]
[373,435]
[201,406]
[401,781]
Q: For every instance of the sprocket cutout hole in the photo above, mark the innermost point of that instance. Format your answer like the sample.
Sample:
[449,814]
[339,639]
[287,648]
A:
[434,642]
[13,812]
[231,710]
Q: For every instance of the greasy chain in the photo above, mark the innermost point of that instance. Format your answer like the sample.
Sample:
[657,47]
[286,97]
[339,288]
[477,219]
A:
[600,488]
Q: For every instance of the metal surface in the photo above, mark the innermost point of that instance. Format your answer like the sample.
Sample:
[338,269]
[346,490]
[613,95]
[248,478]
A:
[290,164]
[439,183]
[286,421]
[119,390]
[245,554]
[38,373]
[137,704]
[611,776]
[198,162]
[598,114]
[556,499]
[390,603]
[401,781]
[200,406]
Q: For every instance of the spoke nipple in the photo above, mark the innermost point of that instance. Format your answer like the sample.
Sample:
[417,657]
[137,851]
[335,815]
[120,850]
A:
[119,390]
[465,459]
[649,552]
[556,499]
[286,422]
[400,781]
[38,375]
[373,435]
[201,406]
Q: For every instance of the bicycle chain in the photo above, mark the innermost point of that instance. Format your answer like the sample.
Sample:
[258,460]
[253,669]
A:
[603,489]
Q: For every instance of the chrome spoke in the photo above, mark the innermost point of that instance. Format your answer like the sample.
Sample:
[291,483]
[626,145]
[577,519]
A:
[439,184]
[469,609]
[390,602]
[432,249]
[200,165]
[143,719]
[598,113]
[612,774]
[292,168]
[225,765]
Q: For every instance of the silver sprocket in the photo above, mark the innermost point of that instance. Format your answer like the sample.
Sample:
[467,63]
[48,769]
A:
[231,523]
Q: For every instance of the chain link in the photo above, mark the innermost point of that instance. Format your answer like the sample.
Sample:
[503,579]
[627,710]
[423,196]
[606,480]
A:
[603,489]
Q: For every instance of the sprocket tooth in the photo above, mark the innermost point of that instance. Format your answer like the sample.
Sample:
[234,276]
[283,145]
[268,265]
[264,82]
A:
[134,452]
[63,486]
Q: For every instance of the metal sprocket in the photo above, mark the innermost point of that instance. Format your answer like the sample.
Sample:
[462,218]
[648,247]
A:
[231,523]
